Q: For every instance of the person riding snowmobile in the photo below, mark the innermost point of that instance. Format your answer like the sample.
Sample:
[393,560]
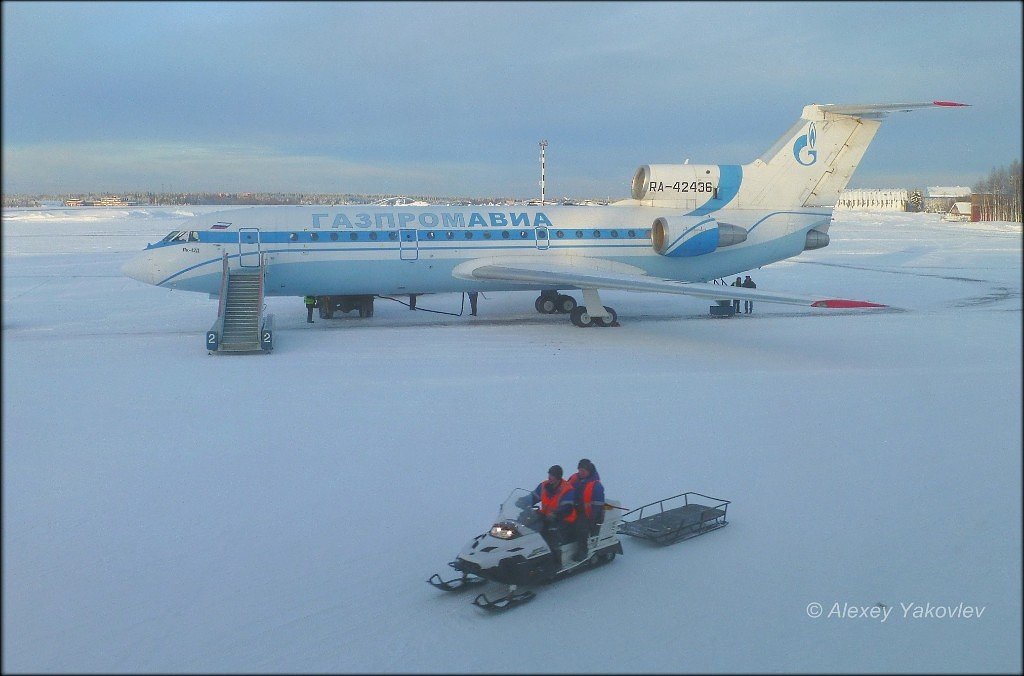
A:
[588,499]
[556,507]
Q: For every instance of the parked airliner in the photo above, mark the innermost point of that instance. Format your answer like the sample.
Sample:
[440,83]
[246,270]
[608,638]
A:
[685,225]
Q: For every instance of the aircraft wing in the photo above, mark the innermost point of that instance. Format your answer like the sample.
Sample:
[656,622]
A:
[583,273]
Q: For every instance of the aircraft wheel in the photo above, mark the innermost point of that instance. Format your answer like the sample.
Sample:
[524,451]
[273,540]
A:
[566,304]
[546,305]
[607,321]
[580,317]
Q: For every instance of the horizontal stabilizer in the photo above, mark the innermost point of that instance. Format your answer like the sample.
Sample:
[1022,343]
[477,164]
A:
[878,110]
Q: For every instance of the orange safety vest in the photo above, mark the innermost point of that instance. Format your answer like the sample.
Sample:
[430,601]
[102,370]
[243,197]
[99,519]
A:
[588,495]
[549,501]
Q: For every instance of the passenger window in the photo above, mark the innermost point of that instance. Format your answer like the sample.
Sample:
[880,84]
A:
[314,236]
[293,237]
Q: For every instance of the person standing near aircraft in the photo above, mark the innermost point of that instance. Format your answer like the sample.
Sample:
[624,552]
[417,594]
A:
[748,305]
[472,302]
[736,301]
[556,507]
[588,496]
[310,304]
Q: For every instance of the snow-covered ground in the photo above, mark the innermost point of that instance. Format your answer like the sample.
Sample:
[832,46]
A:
[169,511]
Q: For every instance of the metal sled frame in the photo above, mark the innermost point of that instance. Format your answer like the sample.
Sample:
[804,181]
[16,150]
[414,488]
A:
[680,517]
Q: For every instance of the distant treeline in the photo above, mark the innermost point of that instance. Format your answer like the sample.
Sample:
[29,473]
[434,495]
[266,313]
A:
[241,198]
[998,196]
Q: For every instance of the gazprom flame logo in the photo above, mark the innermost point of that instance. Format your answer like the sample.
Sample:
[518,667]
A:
[803,148]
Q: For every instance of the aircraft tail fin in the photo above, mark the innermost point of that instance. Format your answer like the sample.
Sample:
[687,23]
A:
[812,163]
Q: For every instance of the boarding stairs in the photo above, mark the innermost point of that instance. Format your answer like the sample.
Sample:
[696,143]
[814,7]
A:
[241,325]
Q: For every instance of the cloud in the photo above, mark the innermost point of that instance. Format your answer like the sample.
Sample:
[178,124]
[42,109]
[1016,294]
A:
[119,166]
[453,97]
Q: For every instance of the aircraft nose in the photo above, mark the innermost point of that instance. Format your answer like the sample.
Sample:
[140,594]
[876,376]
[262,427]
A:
[141,268]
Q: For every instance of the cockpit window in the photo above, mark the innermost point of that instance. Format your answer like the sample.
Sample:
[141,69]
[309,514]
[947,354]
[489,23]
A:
[182,236]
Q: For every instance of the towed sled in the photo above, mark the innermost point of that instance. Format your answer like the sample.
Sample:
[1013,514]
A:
[515,552]
[680,517]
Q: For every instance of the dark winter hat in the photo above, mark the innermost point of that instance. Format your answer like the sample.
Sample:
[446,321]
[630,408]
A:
[556,471]
[583,463]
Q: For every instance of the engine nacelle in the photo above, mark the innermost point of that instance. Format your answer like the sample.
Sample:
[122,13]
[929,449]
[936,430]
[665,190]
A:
[684,235]
[676,182]
[816,239]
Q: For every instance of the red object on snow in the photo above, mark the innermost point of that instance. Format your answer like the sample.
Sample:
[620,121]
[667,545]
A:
[950,103]
[840,302]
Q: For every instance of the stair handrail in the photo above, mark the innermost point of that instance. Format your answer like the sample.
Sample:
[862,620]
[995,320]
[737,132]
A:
[263,272]
[223,283]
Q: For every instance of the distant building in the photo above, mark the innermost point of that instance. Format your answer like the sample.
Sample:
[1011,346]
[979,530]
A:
[102,202]
[940,199]
[874,199]
[960,211]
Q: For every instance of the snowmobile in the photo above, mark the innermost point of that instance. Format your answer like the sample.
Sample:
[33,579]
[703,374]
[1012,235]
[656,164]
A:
[520,549]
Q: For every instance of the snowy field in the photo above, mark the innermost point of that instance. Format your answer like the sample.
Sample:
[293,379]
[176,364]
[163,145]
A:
[169,511]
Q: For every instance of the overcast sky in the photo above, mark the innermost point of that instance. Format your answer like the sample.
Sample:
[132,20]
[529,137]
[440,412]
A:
[452,98]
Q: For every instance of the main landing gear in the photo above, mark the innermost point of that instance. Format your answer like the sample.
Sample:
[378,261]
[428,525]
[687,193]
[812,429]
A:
[552,302]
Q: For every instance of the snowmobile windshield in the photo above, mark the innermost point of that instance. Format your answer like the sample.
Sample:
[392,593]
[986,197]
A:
[518,508]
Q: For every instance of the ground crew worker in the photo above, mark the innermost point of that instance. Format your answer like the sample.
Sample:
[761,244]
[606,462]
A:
[556,508]
[748,305]
[736,301]
[472,303]
[588,497]
[310,304]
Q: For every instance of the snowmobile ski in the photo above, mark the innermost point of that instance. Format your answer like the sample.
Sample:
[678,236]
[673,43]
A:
[509,600]
[455,584]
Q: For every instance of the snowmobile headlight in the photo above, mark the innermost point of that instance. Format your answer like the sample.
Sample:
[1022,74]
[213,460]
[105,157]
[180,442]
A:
[505,530]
